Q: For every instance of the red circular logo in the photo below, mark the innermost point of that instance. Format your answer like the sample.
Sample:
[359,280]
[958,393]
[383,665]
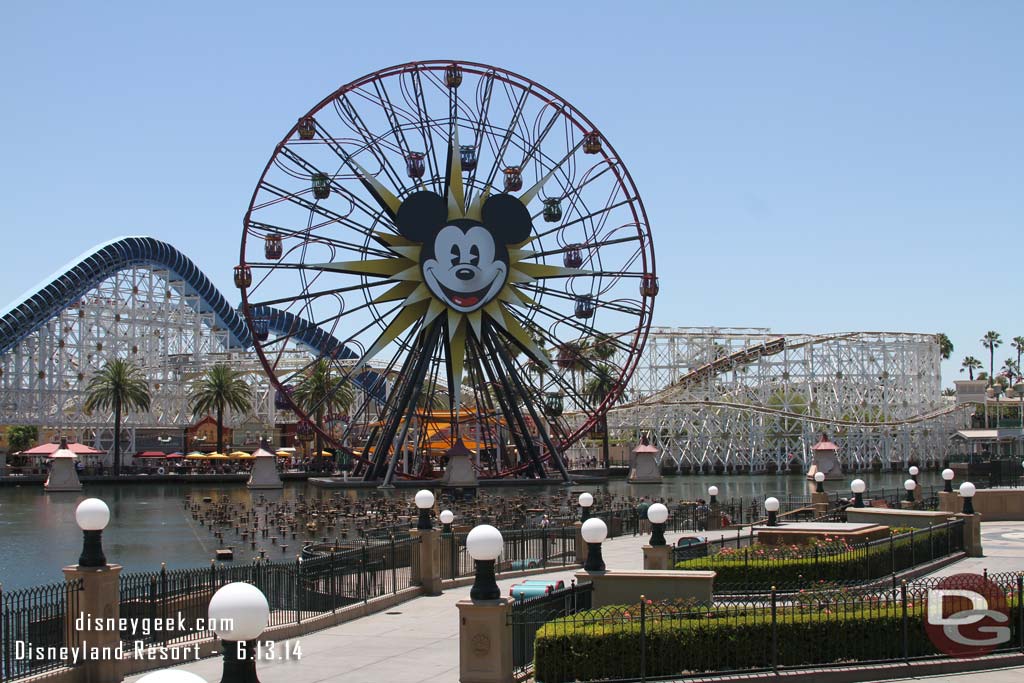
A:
[966,615]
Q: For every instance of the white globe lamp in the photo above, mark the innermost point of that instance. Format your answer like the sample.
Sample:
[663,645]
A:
[238,613]
[484,544]
[657,514]
[92,516]
[424,501]
[594,531]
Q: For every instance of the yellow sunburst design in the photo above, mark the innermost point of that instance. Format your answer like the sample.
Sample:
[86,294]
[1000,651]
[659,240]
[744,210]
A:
[418,301]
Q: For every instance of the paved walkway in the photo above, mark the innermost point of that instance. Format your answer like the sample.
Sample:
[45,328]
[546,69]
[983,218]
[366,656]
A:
[417,641]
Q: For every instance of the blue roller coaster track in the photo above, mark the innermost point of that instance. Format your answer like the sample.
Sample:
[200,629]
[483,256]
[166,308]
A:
[68,285]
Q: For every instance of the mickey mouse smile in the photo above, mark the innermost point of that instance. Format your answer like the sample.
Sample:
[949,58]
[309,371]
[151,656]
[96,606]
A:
[466,271]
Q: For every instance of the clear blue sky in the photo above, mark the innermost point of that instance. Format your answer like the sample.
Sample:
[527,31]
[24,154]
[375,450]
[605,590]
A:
[806,166]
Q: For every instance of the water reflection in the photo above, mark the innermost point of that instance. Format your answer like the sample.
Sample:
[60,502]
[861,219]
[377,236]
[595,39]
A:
[149,524]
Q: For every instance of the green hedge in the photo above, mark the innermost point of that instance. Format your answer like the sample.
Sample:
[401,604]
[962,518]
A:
[859,563]
[568,650]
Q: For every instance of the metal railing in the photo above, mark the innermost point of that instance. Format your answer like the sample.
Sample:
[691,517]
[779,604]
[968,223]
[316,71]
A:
[296,591]
[526,616]
[773,632]
[524,549]
[35,624]
[743,566]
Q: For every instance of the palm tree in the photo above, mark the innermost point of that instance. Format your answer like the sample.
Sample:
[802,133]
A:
[596,390]
[945,346]
[991,341]
[970,364]
[321,392]
[220,388]
[1011,369]
[1018,345]
[120,386]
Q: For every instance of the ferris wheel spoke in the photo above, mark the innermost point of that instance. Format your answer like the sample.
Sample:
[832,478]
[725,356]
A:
[355,200]
[314,208]
[265,229]
[306,296]
[346,108]
[499,153]
[579,219]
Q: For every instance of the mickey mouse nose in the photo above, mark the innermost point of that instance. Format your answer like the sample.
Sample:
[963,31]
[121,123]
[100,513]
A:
[464,274]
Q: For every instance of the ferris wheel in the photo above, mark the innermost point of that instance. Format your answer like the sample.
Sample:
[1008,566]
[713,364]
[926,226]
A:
[471,258]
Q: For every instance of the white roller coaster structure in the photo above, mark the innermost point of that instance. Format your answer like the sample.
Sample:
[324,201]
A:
[746,399]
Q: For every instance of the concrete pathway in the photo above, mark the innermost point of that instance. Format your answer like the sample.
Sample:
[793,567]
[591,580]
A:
[417,641]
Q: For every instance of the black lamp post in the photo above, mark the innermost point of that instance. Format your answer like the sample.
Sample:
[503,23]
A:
[594,532]
[424,501]
[238,614]
[910,485]
[947,478]
[819,480]
[92,515]
[858,487]
[484,544]
[967,491]
[586,500]
[446,517]
[771,506]
[657,514]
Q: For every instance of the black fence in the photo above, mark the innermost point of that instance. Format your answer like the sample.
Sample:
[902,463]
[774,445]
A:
[774,632]
[526,616]
[742,567]
[296,591]
[35,623]
[524,549]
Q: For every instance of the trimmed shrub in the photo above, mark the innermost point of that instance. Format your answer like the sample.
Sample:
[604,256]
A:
[697,640]
[759,566]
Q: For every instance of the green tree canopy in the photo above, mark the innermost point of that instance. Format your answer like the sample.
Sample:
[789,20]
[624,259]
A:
[119,386]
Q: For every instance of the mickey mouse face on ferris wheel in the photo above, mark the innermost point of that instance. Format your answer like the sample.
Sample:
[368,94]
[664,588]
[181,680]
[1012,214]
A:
[465,262]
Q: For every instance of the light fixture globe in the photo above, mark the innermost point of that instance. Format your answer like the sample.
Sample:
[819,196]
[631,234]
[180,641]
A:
[92,514]
[771,505]
[238,612]
[914,470]
[657,513]
[446,516]
[424,499]
[484,543]
[712,491]
[172,676]
[948,474]
[819,477]
[967,491]
[910,484]
[858,487]
[585,500]
[594,530]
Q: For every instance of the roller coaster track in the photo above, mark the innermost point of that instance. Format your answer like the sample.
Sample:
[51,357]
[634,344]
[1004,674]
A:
[775,412]
[71,283]
[729,362]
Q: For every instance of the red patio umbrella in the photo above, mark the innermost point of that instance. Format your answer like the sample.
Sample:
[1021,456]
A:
[151,454]
[51,448]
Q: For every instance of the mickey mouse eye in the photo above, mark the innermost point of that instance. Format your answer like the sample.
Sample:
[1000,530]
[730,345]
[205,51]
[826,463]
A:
[456,255]
[474,255]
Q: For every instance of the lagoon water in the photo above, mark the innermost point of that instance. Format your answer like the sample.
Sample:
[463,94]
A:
[149,524]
